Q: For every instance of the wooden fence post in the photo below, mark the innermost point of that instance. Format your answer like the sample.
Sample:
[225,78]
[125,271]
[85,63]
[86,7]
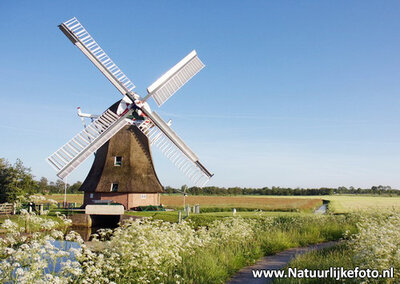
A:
[179,217]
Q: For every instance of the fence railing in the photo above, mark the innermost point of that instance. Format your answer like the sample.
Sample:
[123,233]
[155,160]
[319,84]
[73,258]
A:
[7,208]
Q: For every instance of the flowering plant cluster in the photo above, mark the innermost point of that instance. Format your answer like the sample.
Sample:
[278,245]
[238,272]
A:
[33,257]
[140,251]
[148,251]
[144,250]
[41,199]
[377,243]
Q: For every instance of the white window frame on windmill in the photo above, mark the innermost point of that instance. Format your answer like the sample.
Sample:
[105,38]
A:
[113,184]
[143,196]
[118,161]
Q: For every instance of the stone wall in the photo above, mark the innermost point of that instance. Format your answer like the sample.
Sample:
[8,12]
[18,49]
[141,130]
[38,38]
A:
[81,220]
[129,200]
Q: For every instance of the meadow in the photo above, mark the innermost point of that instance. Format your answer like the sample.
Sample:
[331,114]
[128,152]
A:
[204,219]
[215,203]
[262,203]
[338,203]
[354,203]
[350,203]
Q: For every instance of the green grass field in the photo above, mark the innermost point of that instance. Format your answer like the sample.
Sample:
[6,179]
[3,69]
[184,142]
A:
[353,203]
[204,219]
[339,203]
[78,198]
[347,203]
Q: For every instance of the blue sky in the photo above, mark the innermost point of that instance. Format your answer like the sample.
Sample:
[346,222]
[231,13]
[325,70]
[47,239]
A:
[294,93]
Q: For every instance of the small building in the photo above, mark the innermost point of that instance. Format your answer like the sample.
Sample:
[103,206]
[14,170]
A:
[123,171]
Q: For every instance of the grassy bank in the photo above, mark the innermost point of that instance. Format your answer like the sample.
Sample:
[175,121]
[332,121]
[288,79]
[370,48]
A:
[32,224]
[270,233]
[209,250]
[376,245]
[338,256]
[226,245]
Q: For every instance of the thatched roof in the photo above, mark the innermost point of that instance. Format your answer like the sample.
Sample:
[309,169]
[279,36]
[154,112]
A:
[136,174]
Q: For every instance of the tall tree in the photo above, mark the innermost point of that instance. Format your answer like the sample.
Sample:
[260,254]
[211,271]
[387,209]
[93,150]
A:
[74,188]
[43,185]
[15,180]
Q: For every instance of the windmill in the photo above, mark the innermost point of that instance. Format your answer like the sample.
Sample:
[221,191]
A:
[132,111]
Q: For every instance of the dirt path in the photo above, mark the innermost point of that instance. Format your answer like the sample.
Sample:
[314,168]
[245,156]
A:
[273,262]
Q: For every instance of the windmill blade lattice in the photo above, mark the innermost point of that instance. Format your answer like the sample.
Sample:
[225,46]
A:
[86,142]
[167,85]
[69,156]
[75,31]
[192,169]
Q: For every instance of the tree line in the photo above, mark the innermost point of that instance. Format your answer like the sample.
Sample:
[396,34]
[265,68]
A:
[17,181]
[275,190]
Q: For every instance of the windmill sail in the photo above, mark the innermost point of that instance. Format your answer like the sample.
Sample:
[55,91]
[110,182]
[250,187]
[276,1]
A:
[86,142]
[79,36]
[173,147]
[162,89]
[160,134]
